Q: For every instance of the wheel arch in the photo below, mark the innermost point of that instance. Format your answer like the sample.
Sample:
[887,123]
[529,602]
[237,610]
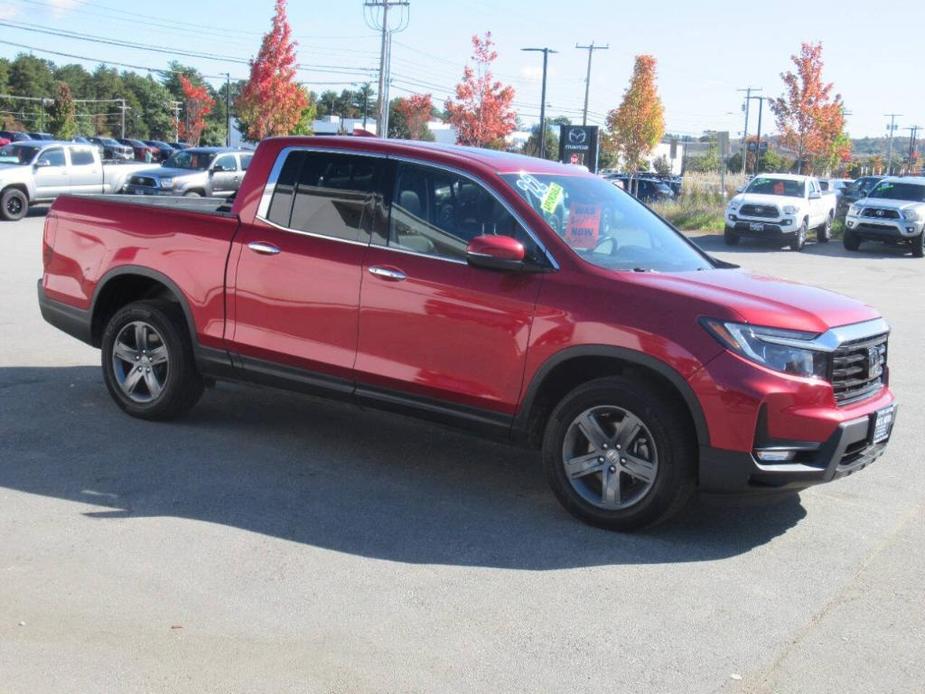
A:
[128,283]
[573,366]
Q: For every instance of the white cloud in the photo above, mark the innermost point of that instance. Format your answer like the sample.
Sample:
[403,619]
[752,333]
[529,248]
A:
[7,11]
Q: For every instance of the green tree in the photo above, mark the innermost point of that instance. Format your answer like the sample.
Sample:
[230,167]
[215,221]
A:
[661,165]
[532,145]
[306,124]
[63,121]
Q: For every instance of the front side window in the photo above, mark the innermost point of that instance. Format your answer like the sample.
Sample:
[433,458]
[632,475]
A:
[325,194]
[604,225]
[226,163]
[186,159]
[52,157]
[436,212]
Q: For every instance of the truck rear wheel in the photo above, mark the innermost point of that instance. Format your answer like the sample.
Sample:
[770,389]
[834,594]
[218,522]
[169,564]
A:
[619,455]
[147,359]
[13,204]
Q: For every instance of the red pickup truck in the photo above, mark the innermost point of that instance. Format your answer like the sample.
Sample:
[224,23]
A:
[520,298]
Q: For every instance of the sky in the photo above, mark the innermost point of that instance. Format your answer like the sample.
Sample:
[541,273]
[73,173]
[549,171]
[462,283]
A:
[706,50]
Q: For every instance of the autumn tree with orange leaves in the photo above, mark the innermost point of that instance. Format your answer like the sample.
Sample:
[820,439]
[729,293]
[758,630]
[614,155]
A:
[272,102]
[197,105]
[636,127]
[416,110]
[809,119]
[482,112]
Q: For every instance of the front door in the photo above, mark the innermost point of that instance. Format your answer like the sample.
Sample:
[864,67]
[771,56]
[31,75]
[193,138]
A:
[433,327]
[296,291]
[50,174]
[225,176]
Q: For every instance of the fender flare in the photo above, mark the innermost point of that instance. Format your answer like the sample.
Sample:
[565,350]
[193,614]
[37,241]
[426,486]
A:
[521,421]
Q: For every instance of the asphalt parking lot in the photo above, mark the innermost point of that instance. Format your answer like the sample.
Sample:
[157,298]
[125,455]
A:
[271,542]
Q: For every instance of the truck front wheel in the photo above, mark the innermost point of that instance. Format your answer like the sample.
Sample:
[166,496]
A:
[851,241]
[730,237]
[148,363]
[918,246]
[619,454]
[13,204]
[799,239]
[824,233]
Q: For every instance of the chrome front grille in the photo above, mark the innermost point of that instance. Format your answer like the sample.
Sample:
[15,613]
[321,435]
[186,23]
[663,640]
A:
[858,368]
[880,213]
[766,211]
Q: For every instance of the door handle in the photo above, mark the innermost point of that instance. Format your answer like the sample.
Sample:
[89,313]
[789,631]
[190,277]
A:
[386,273]
[263,248]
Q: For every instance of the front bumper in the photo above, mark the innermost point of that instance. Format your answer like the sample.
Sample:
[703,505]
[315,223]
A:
[133,189]
[877,229]
[850,448]
[762,228]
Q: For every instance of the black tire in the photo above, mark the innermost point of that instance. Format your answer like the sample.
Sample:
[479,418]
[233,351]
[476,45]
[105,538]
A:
[824,233]
[918,246]
[850,241]
[799,239]
[730,237]
[182,385]
[673,439]
[13,204]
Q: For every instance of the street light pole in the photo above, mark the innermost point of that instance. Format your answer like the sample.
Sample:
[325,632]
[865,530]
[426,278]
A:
[545,52]
[590,49]
[892,128]
[748,100]
[228,109]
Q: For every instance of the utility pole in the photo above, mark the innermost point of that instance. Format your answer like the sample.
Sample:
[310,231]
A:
[228,109]
[748,100]
[380,22]
[175,107]
[913,131]
[760,100]
[124,108]
[590,49]
[546,52]
[892,127]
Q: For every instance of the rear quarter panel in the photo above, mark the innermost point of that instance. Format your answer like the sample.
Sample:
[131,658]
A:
[89,240]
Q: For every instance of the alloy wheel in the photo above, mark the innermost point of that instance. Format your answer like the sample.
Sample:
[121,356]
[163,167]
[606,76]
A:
[140,362]
[14,206]
[610,457]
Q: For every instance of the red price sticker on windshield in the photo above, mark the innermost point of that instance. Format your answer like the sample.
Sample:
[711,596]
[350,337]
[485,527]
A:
[584,226]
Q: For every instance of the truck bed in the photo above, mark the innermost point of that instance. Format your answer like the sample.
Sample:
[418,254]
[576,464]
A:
[220,207]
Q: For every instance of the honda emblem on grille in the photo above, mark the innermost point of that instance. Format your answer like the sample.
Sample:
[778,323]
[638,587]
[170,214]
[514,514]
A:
[874,362]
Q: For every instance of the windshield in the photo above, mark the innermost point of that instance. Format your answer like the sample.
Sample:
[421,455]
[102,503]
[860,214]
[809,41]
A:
[18,154]
[186,159]
[777,186]
[894,190]
[604,225]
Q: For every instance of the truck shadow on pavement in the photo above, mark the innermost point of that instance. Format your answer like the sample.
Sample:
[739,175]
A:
[333,476]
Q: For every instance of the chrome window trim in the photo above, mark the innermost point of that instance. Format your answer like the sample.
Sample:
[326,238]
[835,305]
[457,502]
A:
[314,236]
[269,188]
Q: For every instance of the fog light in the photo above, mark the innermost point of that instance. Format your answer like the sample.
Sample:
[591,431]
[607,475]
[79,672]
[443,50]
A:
[910,229]
[850,225]
[775,456]
[787,222]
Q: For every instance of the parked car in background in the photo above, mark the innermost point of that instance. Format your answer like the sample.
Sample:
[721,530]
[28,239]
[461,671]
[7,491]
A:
[507,294]
[645,188]
[4,141]
[40,136]
[38,171]
[893,212]
[14,135]
[140,150]
[780,207]
[860,187]
[194,172]
[834,185]
[113,149]
[179,145]
[163,150]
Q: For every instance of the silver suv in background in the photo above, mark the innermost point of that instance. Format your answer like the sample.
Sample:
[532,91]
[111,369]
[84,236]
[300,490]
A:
[194,172]
[893,212]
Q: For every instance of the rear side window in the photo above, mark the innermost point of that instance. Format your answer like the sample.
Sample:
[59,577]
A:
[81,157]
[326,194]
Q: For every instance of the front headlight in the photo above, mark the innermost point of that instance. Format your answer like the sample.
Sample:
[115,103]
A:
[773,348]
[912,214]
[734,205]
[791,209]
[166,183]
[854,211]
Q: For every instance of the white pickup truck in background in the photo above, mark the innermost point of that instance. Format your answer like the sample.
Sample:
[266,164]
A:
[783,207]
[34,172]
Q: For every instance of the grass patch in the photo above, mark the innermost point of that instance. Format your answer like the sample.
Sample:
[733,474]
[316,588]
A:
[692,214]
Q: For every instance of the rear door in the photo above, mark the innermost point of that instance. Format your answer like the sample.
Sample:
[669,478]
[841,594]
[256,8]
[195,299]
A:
[297,285]
[85,175]
[50,173]
[432,327]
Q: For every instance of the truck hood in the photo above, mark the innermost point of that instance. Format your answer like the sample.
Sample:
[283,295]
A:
[886,204]
[768,200]
[162,172]
[760,300]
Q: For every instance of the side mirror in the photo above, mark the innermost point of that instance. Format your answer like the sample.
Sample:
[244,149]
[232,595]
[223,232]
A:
[740,189]
[496,253]
[815,195]
[42,163]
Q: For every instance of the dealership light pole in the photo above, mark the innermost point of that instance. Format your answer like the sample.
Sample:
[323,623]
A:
[892,127]
[546,52]
[748,99]
[590,49]
[380,22]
